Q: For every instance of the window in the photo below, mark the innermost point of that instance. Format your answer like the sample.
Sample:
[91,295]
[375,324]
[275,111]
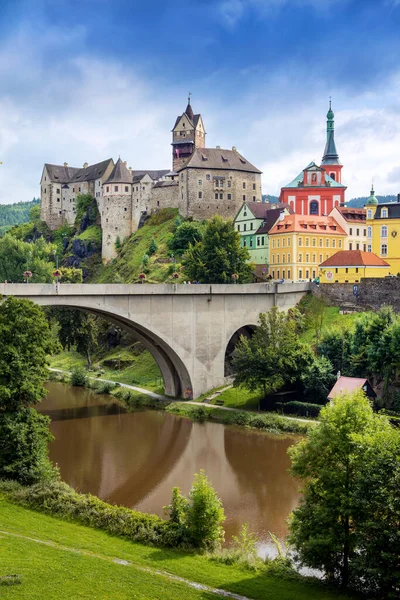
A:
[327,242]
[314,258]
[238,227]
[288,274]
[351,231]
[283,258]
[350,246]
[229,196]
[320,258]
[115,188]
[369,248]
[365,247]
[369,231]
[244,243]
[357,246]
[262,240]
[277,258]
[244,185]
[221,196]
[369,214]
[258,241]
[307,274]
[347,269]
[384,249]
[283,242]
[314,208]
[300,241]
[300,273]
[125,209]
[333,176]
[200,194]
[126,188]
[200,182]
[321,242]
[307,241]
[384,231]
[244,197]
[356,269]
[333,243]
[58,199]
[384,213]
[79,189]
[108,189]
[340,243]
[283,274]
[336,270]
[208,177]
[300,258]
[273,243]
[314,242]
[273,274]
[358,232]
[307,258]
[251,242]
[273,259]
[229,183]
[58,191]
[216,195]
[251,226]
[254,198]
[244,227]
[278,243]
[288,258]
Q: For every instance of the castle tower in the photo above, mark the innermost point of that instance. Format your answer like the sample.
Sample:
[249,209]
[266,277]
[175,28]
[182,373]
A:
[330,160]
[187,135]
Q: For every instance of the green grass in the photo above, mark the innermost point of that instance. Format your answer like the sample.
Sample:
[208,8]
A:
[239,398]
[92,233]
[56,572]
[332,320]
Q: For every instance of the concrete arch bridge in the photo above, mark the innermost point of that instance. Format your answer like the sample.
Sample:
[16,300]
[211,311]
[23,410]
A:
[189,329]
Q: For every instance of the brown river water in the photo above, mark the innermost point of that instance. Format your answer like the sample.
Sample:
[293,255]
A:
[135,459]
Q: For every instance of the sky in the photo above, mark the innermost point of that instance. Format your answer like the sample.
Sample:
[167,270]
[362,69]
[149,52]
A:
[82,81]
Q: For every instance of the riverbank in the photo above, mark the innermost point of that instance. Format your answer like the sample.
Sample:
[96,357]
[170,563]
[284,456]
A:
[135,398]
[73,561]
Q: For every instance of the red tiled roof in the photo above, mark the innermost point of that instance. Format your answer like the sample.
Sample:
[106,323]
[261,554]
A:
[353,214]
[354,258]
[303,223]
[346,384]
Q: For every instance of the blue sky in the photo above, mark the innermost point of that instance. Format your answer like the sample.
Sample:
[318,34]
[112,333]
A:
[82,81]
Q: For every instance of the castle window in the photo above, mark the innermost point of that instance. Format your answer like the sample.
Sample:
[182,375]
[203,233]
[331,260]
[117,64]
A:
[277,259]
[288,258]
[254,198]
[45,190]
[106,220]
[200,182]
[229,196]
[244,197]
[216,195]
[244,185]
[200,194]
[221,196]
[208,177]
[108,189]
[229,183]
[321,258]
[384,231]
[58,190]
[126,188]
[307,258]
[384,250]
[314,242]
[314,208]
[59,212]
[254,186]
[158,203]
[333,176]
[283,258]
[307,241]
[357,246]
[79,189]
[125,209]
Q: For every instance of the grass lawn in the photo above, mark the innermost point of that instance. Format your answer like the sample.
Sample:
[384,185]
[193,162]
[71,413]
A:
[239,398]
[81,562]
[332,320]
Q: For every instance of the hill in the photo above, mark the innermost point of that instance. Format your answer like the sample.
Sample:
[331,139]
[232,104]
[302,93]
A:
[362,200]
[269,198]
[15,214]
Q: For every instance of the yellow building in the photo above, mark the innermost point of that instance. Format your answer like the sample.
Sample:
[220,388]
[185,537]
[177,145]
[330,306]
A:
[383,231]
[299,243]
[349,266]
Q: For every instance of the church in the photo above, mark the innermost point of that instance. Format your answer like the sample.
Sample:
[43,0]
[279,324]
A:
[317,190]
[202,182]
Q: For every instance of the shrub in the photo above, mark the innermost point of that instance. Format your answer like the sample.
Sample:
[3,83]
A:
[24,439]
[241,418]
[104,387]
[304,409]
[205,515]
[242,551]
[79,377]
[152,248]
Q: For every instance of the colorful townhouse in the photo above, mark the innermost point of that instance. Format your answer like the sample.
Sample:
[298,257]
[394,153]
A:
[383,230]
[254,222]
[349,266]
[300,243]
[353,222]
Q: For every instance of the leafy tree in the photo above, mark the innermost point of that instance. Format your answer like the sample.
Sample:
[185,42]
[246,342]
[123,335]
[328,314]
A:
[177,510]
[24,439]
[273,356]
[16,256]
[152,248]
[325,529]
[25,340]
[335,346]
[218,255]
[34,214]
[205,514]
[71,275]
[77,329]
[189,232]
[318,379]
[315,313]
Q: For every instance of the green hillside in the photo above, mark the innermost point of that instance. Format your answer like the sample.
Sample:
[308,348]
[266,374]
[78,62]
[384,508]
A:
[362,200]
[15,214]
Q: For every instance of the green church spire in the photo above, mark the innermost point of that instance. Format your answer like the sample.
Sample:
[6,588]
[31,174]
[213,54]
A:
[330,156]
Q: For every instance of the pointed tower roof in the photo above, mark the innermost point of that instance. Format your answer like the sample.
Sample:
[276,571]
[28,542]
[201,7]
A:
[331,156]
[372,200]
[189,109]
[120,173]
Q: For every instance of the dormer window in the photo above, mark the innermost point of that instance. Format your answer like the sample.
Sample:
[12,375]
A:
[384,213]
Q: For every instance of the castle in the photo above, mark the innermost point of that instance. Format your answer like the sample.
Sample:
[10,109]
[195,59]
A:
[203,182]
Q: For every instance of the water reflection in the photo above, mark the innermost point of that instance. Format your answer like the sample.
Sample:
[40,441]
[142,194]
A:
[136,459]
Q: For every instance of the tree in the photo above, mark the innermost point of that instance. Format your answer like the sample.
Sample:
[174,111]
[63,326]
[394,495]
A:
[315,311]
[77,329]
[25,341]
[189,232]
[218,255]
[326,528]
[16,256]
[24,439]
[152,248]
[273,356]
[318,379]
[205,514]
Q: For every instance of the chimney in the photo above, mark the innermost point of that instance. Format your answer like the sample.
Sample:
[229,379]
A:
[65,164]
[85,165]
[234,148]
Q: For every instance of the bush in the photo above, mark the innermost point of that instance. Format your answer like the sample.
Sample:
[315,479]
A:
[242,551]
[205,515]
[152,248]
[24,439]
[79,377]
[104,387]
[303,409]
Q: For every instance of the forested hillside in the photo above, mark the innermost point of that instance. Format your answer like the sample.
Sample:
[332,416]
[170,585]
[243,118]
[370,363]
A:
[361,202]
[15,214]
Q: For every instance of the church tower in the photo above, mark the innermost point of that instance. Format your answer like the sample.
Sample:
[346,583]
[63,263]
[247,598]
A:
[187,135]
[330,160]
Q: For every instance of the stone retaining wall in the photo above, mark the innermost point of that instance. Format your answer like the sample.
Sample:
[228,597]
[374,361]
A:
[372,293]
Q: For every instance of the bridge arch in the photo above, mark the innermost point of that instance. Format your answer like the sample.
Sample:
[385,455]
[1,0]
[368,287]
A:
[177,381]
[246,331]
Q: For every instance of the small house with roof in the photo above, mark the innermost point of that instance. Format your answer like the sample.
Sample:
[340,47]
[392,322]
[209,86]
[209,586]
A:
[353,221]
[351,384]
[350,266]
[317,190]
[254,222]
[383,230]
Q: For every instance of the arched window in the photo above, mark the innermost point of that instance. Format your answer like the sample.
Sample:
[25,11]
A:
[333,176]
[369,214]
[384,231]
[314,208]
[369,231]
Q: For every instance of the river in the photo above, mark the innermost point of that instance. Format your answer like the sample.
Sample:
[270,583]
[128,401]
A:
[135,459]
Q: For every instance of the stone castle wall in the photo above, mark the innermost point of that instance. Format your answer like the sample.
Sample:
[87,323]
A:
[372,293]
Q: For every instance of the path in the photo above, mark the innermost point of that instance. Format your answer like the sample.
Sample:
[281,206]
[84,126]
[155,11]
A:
[166,398]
